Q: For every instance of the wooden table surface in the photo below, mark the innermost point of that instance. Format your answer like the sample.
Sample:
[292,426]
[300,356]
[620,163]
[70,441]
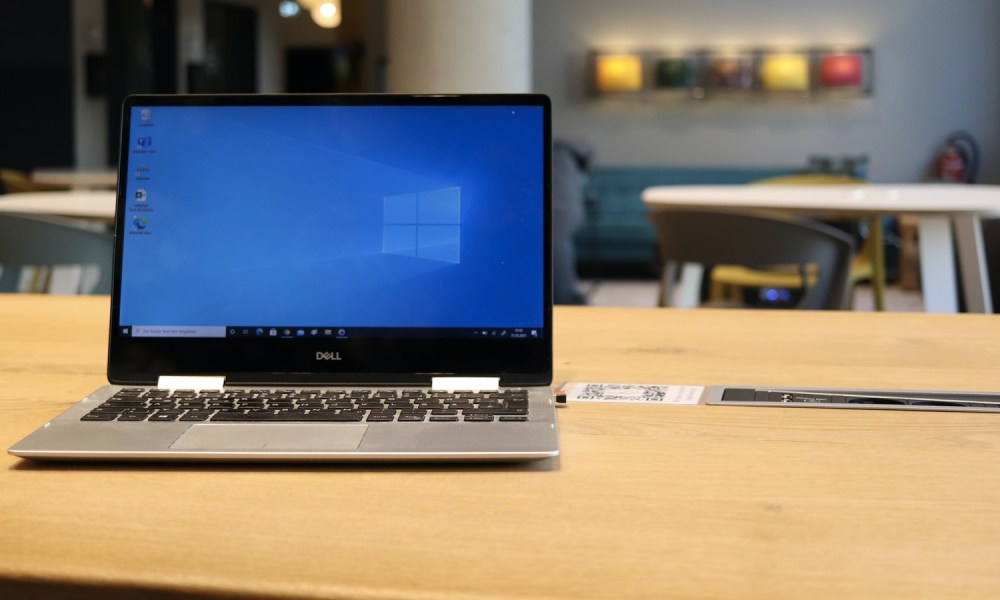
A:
[645,501]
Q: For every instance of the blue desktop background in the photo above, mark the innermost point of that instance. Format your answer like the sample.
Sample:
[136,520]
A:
[278,216]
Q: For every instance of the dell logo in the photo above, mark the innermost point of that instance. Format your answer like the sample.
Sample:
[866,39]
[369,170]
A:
[328,356]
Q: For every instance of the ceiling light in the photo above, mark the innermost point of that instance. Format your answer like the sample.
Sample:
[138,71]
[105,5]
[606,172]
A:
[326,14]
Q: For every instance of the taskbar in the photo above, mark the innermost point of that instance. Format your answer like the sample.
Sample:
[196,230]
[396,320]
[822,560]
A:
[327,333]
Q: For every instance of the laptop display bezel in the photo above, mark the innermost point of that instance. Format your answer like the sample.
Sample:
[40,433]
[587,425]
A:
[383,360]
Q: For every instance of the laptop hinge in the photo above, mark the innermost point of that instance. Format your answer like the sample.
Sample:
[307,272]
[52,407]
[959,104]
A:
[478,384]
[183,382]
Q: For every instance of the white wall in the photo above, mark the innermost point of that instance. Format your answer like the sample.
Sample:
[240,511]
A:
[937,69]
[459,46]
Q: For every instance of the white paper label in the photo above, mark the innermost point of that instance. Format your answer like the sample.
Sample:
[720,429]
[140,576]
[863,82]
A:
[632,393]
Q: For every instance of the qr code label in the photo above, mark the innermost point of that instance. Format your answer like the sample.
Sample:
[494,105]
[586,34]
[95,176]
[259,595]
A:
[633,393]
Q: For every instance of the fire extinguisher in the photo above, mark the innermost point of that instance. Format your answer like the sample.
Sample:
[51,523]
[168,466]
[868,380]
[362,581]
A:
[958,162]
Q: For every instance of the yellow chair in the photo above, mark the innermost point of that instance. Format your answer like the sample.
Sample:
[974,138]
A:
[729,281]
[811,251]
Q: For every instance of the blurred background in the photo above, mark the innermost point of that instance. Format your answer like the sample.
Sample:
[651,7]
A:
[933,79]
[66,64]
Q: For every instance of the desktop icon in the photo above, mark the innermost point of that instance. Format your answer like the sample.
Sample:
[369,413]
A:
[145,114]
[143,142]
[140,223]
[140,196]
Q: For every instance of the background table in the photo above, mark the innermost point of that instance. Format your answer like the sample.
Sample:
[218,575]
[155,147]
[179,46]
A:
[83,204]
[96,208]
[948,217]
[645,501]
[81,179]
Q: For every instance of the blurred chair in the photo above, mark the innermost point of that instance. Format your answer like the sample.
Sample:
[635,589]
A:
[819,256]
[570,169]
[868,265]
[28,241]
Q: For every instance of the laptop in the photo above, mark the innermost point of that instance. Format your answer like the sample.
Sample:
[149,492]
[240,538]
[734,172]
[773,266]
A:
[326,277]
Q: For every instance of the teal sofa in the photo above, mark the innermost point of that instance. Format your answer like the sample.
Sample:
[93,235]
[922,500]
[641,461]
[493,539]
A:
[616,238]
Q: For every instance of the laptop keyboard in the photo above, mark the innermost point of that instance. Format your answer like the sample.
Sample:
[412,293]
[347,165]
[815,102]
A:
[353,406]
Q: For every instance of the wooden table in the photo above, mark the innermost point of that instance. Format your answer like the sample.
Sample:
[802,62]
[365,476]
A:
[645,501]
[948,217]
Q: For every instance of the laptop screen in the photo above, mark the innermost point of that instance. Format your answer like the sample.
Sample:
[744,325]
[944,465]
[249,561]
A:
[332,219]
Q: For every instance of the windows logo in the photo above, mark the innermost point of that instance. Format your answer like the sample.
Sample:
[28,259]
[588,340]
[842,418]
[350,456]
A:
[424,225]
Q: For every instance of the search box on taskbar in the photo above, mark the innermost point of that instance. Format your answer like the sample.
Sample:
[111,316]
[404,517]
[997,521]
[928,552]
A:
[177,331]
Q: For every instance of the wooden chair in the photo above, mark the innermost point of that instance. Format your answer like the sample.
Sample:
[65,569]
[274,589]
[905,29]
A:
[28,241]
[820,255]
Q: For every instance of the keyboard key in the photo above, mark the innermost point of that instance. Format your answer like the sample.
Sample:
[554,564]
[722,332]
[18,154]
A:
[123,402]
[133,417]
[340,404]
[332,416]
[97,416]
[478,418]
[193,415]
[161,416]
[495,411]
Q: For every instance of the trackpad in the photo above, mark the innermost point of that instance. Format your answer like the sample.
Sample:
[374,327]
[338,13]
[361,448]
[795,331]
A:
[271,436]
